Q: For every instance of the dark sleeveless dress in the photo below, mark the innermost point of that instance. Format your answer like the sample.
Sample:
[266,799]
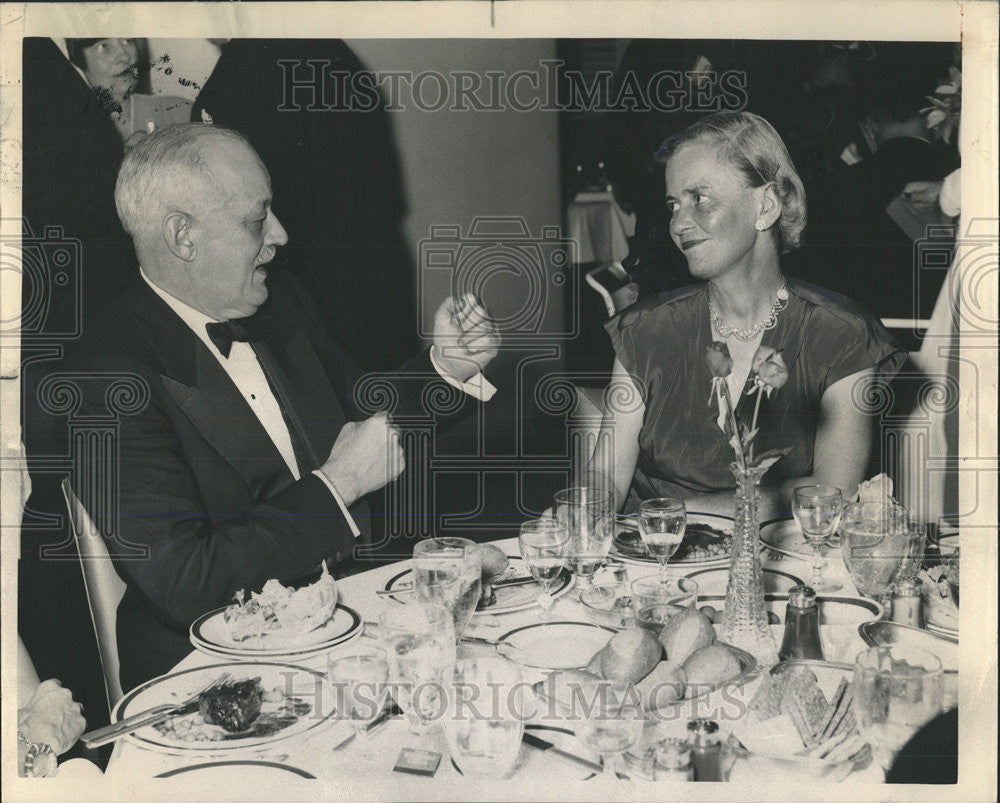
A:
[661,342]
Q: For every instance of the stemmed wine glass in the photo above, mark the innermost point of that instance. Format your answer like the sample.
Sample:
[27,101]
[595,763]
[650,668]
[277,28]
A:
[360,682]
[662,523]
[543,545]
[897,690]
[448,571]
[588,516]
[419,642]
[817,509]
[874,544]
[613,722]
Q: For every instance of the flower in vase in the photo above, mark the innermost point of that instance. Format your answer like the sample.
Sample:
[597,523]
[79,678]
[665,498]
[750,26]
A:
[769,370]
[719,361]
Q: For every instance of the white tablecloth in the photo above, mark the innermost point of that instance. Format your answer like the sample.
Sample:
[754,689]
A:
[365,767]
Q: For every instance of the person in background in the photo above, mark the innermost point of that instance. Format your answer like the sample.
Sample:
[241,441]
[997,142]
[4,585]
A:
[49,720]
[116,68]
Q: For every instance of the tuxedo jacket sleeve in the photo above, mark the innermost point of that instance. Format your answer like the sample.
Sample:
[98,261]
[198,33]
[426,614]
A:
[201,489]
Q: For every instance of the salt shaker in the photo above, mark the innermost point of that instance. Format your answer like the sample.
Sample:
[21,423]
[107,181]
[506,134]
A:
[801,640]
[706,749]
[673,760]
[907,607]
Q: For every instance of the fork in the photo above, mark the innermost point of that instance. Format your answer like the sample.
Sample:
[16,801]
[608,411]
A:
[151,716]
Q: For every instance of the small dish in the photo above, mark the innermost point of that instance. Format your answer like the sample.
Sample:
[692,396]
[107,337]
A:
[609,605]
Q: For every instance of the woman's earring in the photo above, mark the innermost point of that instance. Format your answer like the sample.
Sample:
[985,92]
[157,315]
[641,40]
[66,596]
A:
[760,225]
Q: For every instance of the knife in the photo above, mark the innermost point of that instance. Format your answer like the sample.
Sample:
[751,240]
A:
[407,588]
[153,716]
[541,744]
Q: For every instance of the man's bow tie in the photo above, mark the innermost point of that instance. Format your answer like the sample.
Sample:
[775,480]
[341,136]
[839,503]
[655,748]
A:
[224,333]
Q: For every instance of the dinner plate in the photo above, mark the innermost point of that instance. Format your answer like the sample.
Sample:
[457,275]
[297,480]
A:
[508,598]
[210,634]
[555,645]
[785,536]
[714,581]
[627,544]
[300,702]
[223,772]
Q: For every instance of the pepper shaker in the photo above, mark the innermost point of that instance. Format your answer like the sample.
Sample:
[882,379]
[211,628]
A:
[801,639]
[706,749]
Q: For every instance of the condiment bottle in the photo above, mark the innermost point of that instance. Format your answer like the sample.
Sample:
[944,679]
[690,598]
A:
[907,607]
[801,639]
[673,760]
[706,749]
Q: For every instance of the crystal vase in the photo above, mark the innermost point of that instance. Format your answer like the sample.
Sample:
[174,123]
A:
[744,621]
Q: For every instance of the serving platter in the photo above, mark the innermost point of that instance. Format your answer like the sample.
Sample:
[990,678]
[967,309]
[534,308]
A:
[714,581]
[708,527]
[210,634]
[508,598]
[297,701]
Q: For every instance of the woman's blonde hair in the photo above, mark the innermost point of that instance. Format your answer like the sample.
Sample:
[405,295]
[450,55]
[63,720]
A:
[751,145]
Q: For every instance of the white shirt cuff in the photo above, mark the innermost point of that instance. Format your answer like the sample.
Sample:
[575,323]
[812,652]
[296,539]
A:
[340,501]
[478,386]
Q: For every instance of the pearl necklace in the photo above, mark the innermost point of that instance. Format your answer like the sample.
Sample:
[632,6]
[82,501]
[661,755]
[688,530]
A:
[770,321]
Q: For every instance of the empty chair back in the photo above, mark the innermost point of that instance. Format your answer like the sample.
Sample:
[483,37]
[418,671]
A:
[105,590]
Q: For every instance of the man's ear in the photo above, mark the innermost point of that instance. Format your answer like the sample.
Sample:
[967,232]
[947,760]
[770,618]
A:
[177,235]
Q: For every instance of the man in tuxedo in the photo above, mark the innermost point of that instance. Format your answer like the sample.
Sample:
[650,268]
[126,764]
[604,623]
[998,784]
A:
[246,451]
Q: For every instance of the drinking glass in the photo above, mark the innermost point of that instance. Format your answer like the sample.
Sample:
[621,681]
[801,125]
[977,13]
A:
[485,717]
[656,601]
[817,509]
[952,567]
[661,524]
[359,682]
[897,690]
[916,544]
[588,516]
[873,542]
[419,641]
[448,571]
[543,545]
[613,722]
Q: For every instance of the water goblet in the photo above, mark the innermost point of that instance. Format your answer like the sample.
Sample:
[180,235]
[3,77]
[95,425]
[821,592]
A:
[662,523]
[588,516]
[817,509]
[419,642]
[543,544]
[897,690]
[873,543]
[448,571]
[613,722]
[360,683]
[916,544]
[485,717]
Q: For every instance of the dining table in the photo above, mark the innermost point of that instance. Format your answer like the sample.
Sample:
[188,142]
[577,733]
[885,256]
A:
[364,766]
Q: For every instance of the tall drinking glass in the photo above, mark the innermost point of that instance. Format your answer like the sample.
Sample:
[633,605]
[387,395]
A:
[543,545]
[359,682]
[897,690]
[817,509]
[419,642]
[873,542]
[916,544]
[485,719]
[448,571]
[662,523]
[588,516]
[613,722]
